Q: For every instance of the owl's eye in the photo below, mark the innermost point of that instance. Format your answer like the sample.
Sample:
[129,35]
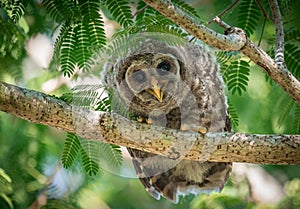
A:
[163,67]
[139,76]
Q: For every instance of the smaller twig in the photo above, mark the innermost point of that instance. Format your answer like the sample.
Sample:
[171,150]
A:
[139,11]
[221,23]
[225,11]
[262,32]
[263,11]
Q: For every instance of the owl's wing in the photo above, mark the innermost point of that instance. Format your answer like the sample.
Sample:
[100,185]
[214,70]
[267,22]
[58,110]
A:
[187,177]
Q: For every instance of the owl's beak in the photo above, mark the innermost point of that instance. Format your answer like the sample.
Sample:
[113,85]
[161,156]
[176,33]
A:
[155,90]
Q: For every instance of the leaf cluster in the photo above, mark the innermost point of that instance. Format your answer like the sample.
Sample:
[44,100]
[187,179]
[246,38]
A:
[94,154]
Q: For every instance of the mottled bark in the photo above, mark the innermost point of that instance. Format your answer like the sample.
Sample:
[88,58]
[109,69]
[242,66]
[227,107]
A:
[235,40]
[112,128]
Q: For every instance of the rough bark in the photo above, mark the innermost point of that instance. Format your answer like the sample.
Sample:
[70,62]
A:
[235,40]
[112,128]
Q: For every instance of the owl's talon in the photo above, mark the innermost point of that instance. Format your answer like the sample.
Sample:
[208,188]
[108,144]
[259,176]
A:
[139,119]
[200,129]
[149,121]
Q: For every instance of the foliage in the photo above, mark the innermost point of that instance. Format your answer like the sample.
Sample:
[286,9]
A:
[248,16]
[79,30]
[5,188]
[234,117]
[93,153]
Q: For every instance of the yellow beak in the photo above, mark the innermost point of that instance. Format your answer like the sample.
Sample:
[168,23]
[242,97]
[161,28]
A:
[155,90]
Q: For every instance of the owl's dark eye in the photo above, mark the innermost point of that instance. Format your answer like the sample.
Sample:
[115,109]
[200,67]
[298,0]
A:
[163,67]
[139,76]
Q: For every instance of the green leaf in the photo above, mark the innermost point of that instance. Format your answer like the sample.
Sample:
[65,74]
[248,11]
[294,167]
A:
[292,58]
[236,76]
[289,113]
[111,155]
[143,10]
[91,96]
[296,122]
[71,150]
[80,35]
[99,154]
[67,49]
[248,16]
[81,47]
[186,8]
[104,104]
[224,57]
[121,11]
[292,35]
[90,156]
[60,10]
[18,9]
[234,117]
[93,23]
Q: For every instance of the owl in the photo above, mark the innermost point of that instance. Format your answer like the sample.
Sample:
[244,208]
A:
[176,86]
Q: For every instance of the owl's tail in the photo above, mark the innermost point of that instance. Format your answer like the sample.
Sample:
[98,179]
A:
[185,177]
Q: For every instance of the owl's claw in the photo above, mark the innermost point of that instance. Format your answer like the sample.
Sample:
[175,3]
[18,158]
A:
[200,129]
[149,121]
[141,119]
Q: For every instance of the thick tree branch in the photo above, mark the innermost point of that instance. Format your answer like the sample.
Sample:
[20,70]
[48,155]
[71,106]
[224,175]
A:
[234,40]
[111,128]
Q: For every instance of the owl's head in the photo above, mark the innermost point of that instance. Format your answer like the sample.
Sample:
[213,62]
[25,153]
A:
[150,80]
[152,77]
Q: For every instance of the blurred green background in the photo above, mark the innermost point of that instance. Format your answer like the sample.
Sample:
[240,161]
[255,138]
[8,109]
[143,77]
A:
[31,173]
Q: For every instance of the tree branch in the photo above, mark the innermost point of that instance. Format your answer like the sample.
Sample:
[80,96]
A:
[279,50]
[234,40]
[112,128]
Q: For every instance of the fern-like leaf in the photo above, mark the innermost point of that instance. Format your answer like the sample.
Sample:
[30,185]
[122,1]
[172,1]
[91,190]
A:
[90,156]
[104,104]
[292,58]
[81,47]
[248,16]
[18,9]
[6,188]
[186,8]
[296,128]
[71,150]
[90,96]
[236,76]
[285,105]
[292,35]
[93,23]
[289,113]
[67,50]
[60,10]
[158,23]
[121,11]
[82,32]
[224,57]
[234,117]
[143,10]
[111,155]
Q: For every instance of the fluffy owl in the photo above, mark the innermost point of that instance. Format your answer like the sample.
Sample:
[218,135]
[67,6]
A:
[177,87]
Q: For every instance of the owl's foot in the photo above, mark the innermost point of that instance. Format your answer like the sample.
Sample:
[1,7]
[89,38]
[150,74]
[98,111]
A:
[147,120]
[139,119]
[200,129]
